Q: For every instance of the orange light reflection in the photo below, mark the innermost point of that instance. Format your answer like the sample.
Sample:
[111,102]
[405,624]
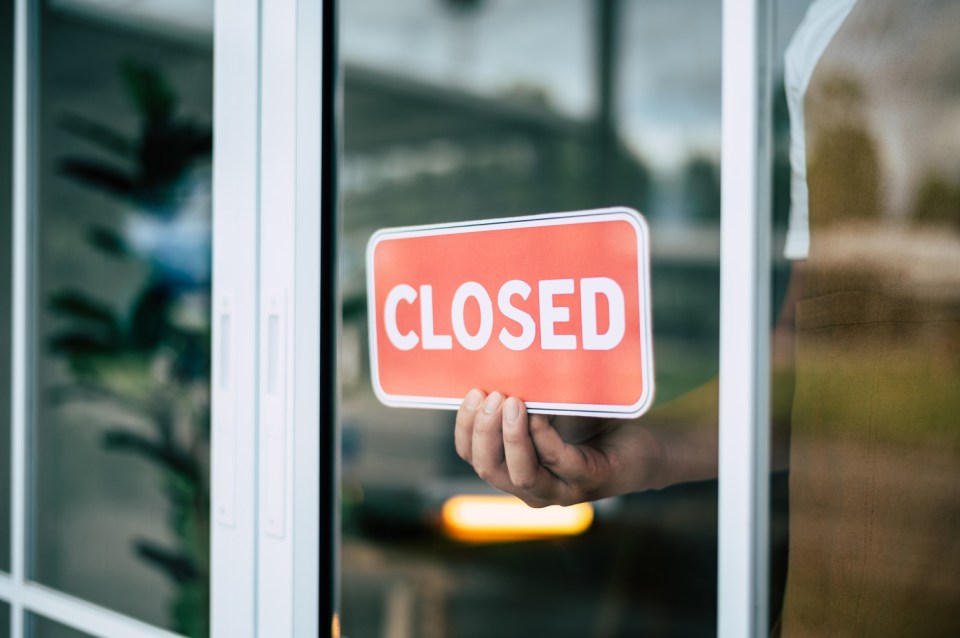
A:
[492,518]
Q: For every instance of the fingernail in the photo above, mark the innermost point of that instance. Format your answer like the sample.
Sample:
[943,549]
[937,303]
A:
[511,409]
[473,399]
[492,403]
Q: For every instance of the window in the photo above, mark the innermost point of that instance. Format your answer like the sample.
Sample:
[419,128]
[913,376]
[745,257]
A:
[111,289]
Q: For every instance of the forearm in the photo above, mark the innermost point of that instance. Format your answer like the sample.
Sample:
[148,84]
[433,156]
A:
[643,457]
[676,442]
[689,455]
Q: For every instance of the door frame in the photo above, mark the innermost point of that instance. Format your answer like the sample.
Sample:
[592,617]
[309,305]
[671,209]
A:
[275,263]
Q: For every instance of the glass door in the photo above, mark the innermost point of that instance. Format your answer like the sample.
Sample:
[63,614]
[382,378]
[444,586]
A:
[106,220]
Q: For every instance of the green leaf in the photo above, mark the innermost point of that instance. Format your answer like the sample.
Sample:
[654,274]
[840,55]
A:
[149,91]
[100,175]
[76,344]
[78,306]
[108,241]
[173,460]
[150,320]
[99,134]
[178,567]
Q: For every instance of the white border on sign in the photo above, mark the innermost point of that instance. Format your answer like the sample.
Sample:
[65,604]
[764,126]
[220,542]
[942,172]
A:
[618,213]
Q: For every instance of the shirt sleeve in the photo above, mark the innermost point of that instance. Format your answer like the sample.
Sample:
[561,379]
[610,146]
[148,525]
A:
[819,25]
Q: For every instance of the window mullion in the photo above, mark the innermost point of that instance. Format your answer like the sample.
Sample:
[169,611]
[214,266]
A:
[234,318]
[25,44]
[744,323]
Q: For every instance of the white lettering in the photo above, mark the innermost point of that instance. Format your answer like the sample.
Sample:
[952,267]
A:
[589,289]
[551,315]
[431,341]
[480,339]
[528,327]
[402,292]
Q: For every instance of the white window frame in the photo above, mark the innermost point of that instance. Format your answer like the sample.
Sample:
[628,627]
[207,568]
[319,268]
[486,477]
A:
[274,264]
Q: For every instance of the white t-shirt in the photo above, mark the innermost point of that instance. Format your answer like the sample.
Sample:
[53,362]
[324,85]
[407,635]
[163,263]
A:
[819,25]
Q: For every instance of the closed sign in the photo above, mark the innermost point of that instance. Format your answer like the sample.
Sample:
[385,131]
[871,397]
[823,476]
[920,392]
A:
[553,309]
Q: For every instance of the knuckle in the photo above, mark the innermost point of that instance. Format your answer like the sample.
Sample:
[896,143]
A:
[549,459]
[487,426]
[485,473]
[538,424]
[513,435]
[525,482]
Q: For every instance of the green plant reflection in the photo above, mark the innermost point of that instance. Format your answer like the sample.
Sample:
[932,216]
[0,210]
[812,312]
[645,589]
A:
[149,359]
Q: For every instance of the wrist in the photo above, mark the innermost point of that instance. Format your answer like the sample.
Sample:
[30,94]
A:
[641,460]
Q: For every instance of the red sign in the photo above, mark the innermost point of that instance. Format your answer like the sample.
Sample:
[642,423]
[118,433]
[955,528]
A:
[553,309]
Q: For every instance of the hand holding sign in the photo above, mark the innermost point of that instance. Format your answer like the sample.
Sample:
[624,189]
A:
[543,464]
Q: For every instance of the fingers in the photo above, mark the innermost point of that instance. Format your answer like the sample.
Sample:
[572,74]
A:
[463,433]
[488,457]
[479,437]
[520,456]
[492,434]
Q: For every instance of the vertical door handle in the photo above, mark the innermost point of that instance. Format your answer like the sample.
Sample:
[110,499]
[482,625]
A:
[225,413]
[273,412]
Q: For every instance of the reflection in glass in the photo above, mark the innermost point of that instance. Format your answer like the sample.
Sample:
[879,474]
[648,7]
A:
[122,364]
[476,47]
[619,106]
[6,249]
[874,448]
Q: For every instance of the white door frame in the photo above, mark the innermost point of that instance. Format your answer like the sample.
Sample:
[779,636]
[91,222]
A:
[233,480]
[275,265]
[745,227]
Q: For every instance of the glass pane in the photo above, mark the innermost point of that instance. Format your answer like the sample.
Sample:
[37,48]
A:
[121,443]
[40,627]
[867,210]
[6,248]
[456,46]
[4,620]
[468,110]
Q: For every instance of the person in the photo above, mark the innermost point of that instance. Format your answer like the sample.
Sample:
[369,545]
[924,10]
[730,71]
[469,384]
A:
[871,325]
